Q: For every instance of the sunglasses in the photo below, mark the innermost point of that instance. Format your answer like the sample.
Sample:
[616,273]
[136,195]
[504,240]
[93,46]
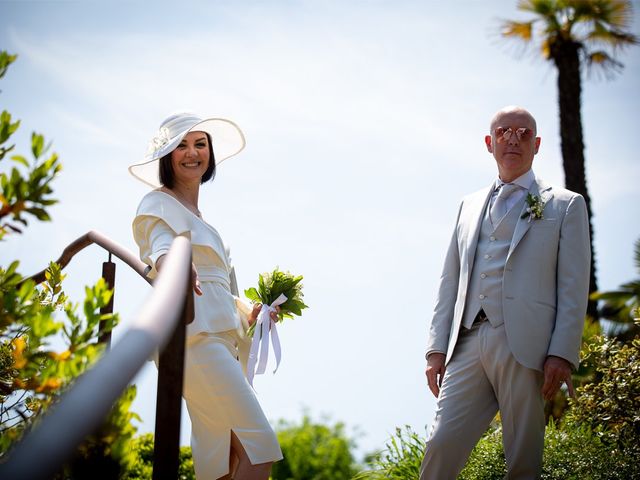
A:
[503,134]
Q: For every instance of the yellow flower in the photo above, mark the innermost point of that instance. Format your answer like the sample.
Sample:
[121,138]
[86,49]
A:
[49,386]
[60,357]
[19,345]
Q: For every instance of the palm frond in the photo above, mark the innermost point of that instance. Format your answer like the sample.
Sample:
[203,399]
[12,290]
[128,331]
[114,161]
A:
[518,30]
[617,13]
[613,296]
[604,62]
[598,27]
[546,48]
[616,39]
[636,254]
[544,8]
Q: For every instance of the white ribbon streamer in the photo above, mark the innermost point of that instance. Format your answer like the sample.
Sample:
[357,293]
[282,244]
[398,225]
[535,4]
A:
[265,328]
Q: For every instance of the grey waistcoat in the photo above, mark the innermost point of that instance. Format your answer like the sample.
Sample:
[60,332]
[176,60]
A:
[485,285]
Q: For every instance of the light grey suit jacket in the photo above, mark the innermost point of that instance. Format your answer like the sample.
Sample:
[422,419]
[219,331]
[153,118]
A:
[545,281]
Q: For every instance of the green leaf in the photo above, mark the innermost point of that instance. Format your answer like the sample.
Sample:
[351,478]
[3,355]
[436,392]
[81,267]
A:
[6,127]
[252,294]
[20,159]
[39,213]
[5,60]
[37,144]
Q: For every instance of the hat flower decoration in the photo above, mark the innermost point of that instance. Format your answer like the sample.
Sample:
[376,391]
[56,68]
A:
[159,140]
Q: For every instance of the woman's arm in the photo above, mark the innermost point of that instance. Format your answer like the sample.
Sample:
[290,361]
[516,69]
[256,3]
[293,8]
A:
[160,237]
[194,274]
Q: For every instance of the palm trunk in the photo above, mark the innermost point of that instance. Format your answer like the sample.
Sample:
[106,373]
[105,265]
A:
[566,55]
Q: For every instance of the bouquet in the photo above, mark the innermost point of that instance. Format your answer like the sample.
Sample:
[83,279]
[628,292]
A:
[275,289]
[270,288]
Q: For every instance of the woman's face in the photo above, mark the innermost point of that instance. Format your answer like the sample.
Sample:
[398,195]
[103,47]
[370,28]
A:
[190,159]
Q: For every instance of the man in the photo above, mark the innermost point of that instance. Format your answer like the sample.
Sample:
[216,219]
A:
[508,319]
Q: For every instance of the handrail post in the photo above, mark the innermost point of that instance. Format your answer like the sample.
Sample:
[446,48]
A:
[166,450]
[109,275]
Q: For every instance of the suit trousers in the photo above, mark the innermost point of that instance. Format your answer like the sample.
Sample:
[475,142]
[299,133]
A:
[481,378]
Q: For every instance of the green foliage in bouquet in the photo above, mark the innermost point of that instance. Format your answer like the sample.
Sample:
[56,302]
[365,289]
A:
[271,286]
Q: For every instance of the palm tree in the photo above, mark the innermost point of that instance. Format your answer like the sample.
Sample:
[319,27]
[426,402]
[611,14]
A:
[573,33]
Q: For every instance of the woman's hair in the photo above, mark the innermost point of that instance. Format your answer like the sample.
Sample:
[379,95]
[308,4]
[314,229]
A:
[166,168]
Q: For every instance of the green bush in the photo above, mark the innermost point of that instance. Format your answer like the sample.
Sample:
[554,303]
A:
[486,461]
[33,375]
[141,467]
[576,452]
[598,439]
[612,402]
[313,451]
[400,459]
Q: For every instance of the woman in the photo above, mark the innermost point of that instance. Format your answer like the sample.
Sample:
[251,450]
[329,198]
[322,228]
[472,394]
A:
[231,436]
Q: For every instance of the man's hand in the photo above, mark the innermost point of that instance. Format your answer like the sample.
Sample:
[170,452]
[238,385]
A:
[435,371]
[556,372]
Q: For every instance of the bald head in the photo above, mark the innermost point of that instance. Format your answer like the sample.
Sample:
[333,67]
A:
[495,121]
[510,144]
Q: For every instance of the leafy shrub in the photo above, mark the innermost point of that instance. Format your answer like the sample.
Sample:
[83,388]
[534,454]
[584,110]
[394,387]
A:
[313,451]
[141,466]
[486,461]
[598,438]
[32,374]
[613,401]
[401,458]
[576,452]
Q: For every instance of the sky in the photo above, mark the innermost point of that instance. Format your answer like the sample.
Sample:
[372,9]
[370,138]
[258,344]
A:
[364,122]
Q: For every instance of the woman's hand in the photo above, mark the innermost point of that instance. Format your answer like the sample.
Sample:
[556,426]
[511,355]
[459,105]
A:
[194,280]
[194,275]
[253,317]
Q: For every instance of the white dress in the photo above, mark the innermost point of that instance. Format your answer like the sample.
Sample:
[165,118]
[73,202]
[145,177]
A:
[218,397]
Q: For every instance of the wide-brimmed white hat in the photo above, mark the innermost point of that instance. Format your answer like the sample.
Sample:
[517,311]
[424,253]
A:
[226,138]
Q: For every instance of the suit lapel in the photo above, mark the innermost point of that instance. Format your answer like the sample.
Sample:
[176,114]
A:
[538,189]
[475,216]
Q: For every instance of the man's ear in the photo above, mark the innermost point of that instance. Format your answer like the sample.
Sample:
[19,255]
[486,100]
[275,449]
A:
[537,145]
[487,142]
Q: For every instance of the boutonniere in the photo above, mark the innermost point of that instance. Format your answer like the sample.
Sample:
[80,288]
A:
[535,206]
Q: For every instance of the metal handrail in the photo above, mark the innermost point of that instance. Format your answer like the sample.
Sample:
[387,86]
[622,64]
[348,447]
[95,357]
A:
[80,410]
[94,236]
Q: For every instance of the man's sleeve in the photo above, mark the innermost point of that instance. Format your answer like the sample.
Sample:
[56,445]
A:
[574,263]
[447,294]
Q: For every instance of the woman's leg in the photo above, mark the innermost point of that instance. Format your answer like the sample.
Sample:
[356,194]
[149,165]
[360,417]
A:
[233,464]
[245,469]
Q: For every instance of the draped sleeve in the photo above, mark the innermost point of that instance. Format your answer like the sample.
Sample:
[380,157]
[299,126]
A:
[160,218]
[154,239]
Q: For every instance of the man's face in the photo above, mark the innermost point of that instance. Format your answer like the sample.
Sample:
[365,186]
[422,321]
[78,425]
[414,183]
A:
[513,143]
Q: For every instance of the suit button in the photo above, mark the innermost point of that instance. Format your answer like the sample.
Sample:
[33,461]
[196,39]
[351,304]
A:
[481,297]
[487,256]
[483,275]
[492,238]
